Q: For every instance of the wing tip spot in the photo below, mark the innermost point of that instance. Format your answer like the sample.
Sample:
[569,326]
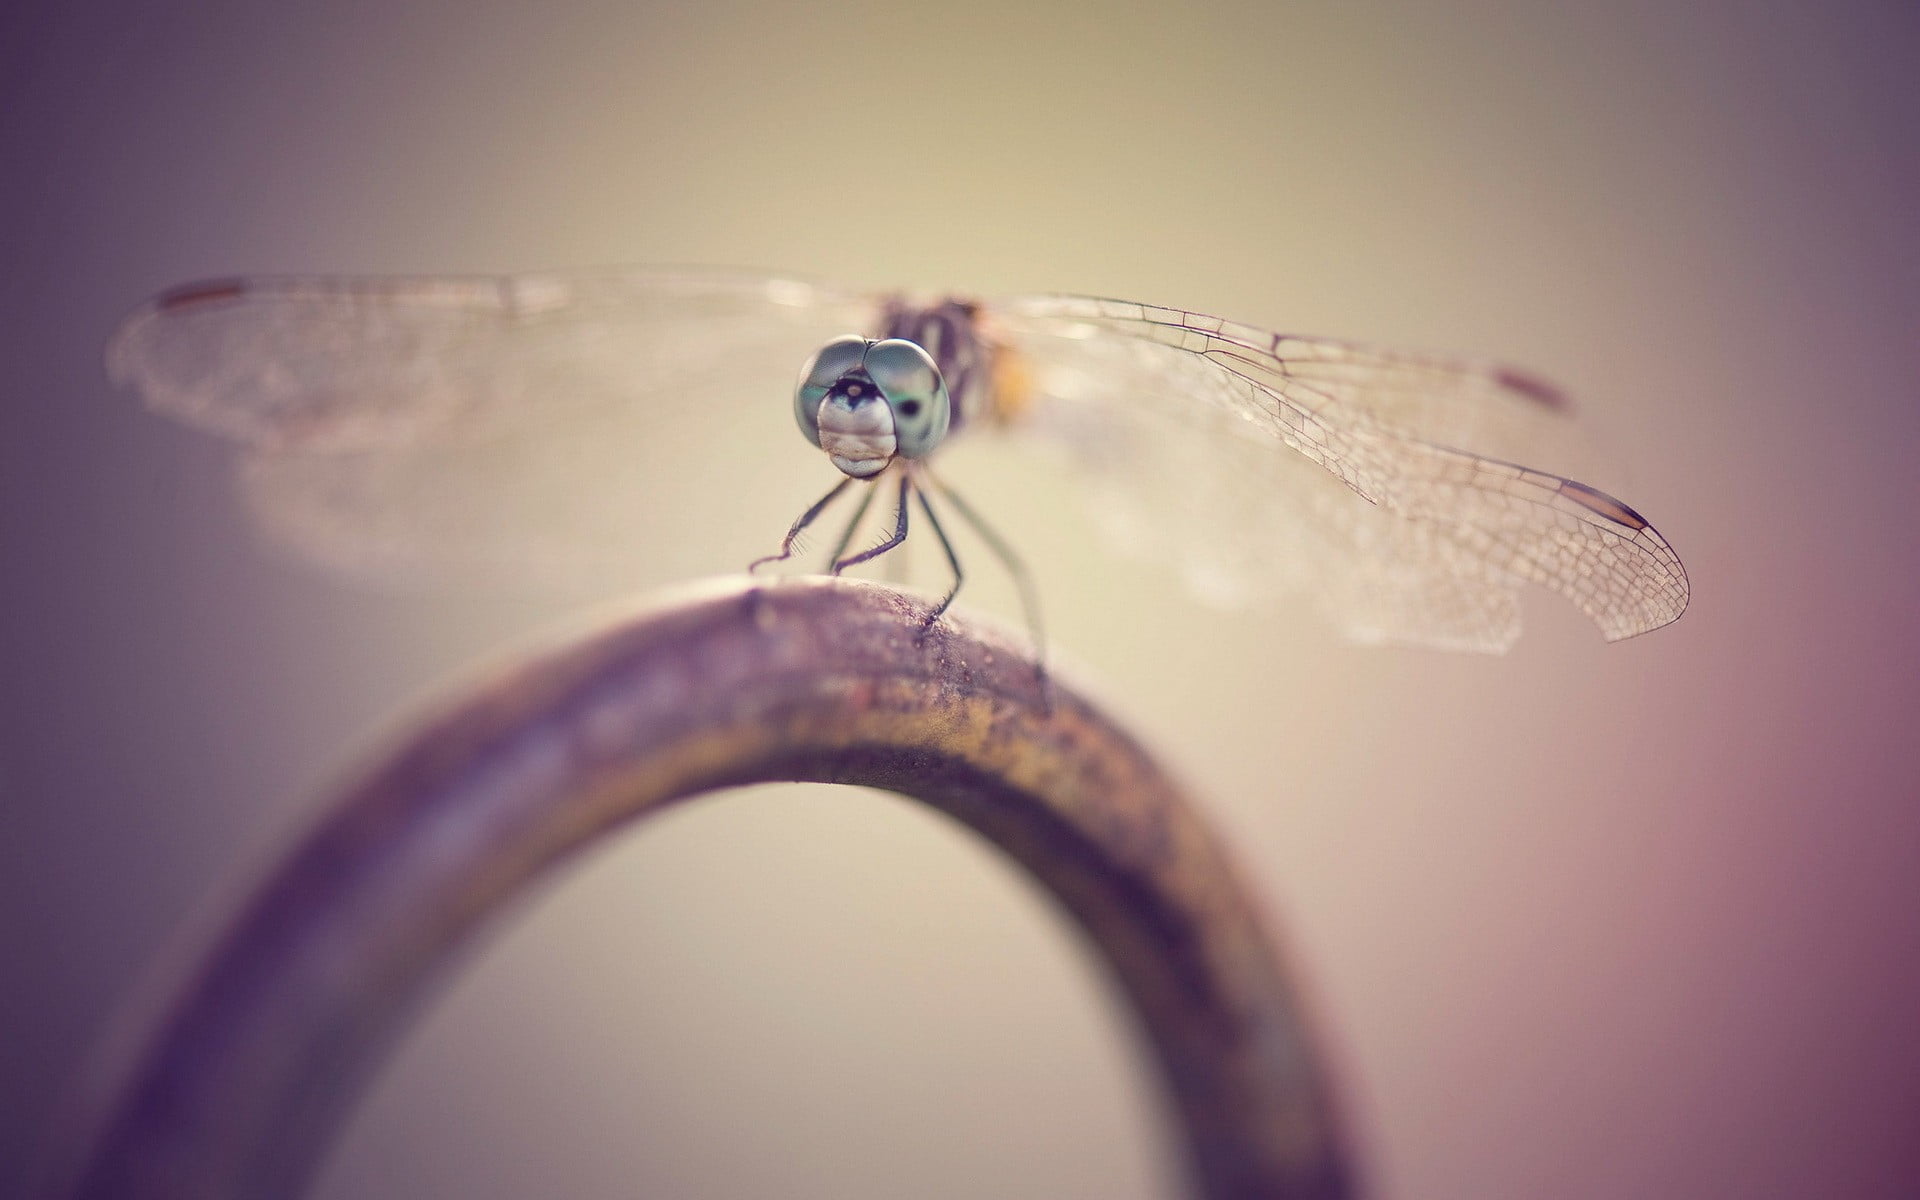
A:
[1596,501]
[205,291]
[1533,388]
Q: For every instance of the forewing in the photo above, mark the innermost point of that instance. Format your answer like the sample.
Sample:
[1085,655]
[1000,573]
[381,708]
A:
[537,424]
[1233,442]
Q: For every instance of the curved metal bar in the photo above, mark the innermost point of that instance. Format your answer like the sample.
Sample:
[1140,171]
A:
[808,679]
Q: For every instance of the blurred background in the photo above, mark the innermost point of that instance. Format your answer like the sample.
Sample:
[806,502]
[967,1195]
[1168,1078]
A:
[1581,921]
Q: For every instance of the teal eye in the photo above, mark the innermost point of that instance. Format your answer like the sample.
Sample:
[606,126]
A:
[914,390]
[839,357]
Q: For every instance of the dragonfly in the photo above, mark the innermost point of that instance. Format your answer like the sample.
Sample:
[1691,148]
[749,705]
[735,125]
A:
[1391,487]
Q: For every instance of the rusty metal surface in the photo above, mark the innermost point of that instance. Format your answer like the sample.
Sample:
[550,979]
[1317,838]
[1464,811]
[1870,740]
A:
[247,1076]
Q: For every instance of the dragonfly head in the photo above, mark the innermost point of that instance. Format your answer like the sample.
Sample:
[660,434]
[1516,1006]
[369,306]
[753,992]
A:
[866,402]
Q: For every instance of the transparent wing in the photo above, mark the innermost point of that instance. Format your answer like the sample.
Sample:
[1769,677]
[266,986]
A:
[1383,484]
[345,363]
[535,424]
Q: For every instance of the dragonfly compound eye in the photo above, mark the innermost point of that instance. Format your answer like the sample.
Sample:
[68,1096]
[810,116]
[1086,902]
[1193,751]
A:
[837,358]
[914,390]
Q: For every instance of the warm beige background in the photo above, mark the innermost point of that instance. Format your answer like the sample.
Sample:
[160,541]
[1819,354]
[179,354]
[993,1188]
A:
[1585,921]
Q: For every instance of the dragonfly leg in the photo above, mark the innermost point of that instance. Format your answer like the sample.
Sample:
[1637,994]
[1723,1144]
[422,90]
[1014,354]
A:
[953,560]
[1029,597]
[853,525]
[899,535]
[898,567]
[806,519]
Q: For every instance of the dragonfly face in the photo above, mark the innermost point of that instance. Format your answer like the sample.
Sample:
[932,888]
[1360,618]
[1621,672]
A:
[866,402]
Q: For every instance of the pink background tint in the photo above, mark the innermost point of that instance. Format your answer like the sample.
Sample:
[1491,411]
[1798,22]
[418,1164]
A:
[1584,921]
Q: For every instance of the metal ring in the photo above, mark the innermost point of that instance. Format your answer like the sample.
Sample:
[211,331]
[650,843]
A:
[243,1085]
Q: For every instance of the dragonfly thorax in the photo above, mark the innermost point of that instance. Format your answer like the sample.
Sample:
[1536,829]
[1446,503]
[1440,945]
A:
[866,402]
